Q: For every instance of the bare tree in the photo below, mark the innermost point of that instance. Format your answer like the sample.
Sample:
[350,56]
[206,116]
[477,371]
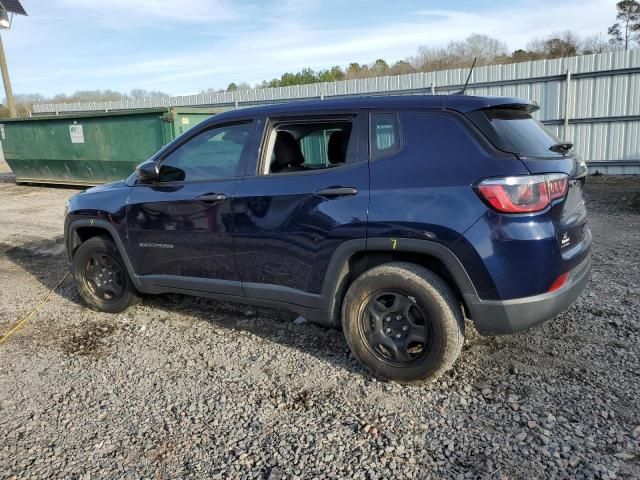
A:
[402,67]
[139,93]
[484,48]
[594,44]
[436,58]
[557,45]
[24,104]
[460,54]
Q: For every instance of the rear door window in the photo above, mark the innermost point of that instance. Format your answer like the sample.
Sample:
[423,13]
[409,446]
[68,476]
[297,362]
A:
[319,151]
[308,145]
[515,131]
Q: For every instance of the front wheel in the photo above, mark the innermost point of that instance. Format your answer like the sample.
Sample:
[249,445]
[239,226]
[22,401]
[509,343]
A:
[101,277]
[403,322]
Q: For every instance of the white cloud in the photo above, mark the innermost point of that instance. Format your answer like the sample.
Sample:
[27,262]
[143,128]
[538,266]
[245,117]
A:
[144,11]
[292,46]
[261,42]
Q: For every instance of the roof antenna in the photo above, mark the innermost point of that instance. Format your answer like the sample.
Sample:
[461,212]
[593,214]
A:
[464,89]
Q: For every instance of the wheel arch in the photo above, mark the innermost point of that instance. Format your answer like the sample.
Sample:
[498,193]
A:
[353,259]
[79,231]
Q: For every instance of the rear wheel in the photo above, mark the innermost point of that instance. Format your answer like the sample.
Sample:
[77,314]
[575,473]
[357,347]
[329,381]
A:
[101,277]
[403,322]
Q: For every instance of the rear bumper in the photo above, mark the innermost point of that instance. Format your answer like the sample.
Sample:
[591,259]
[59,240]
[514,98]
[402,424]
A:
[495,317]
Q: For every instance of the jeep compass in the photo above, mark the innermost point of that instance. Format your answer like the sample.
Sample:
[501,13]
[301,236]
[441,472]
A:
[394,218]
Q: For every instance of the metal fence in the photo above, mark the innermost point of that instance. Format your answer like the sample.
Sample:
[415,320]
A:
[591,100]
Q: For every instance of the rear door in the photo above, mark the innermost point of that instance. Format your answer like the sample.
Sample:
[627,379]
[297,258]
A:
[305,196]
[180,227]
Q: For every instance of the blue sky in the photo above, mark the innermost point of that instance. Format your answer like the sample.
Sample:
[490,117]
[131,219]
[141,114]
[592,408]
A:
[69,45]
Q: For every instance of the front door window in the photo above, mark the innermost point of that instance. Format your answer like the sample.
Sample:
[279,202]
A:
[212,155]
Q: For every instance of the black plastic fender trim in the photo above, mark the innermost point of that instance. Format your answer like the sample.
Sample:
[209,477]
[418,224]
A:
[434,249]
[110,229]
[338,267]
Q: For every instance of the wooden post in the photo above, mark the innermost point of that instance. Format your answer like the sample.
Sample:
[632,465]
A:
[7,82]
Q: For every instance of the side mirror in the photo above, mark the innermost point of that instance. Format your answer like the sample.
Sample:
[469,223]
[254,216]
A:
[148,172]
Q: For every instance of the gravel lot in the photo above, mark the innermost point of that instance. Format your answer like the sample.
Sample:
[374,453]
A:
[186,387]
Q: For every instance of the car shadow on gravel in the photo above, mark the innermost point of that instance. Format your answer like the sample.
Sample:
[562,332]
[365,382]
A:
[46,262]
[43,259]
[273,326]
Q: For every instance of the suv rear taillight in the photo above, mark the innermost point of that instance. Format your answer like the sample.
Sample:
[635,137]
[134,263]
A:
[524,194]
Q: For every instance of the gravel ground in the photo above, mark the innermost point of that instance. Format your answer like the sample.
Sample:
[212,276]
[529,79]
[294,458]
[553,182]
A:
[185,387]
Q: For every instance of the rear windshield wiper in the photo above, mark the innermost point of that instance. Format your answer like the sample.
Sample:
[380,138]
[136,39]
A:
[561,147]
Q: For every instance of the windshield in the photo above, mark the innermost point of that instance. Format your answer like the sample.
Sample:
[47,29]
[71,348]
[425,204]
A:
[516,131]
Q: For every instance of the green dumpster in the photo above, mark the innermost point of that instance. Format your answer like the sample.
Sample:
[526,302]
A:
[91,148]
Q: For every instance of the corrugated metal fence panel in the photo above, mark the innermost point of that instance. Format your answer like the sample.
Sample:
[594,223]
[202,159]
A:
[612,141]
[603,85]
[608,96]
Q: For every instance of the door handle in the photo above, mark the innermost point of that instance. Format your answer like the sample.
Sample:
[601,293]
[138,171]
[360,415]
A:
[211,198]
[337,192]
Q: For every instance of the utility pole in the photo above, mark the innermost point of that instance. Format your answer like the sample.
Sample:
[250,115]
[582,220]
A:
[11,104]
[8,8]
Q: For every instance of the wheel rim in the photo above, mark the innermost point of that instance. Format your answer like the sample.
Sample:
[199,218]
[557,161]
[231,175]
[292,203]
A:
[104,277]
[395,327]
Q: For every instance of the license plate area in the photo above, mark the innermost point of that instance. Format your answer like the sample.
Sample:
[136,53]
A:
[570,237]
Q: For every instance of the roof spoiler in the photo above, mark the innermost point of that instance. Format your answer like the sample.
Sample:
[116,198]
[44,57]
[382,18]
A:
[527,107]
[466,104]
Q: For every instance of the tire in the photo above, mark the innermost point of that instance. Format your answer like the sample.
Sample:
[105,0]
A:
[388,310]
[99,256]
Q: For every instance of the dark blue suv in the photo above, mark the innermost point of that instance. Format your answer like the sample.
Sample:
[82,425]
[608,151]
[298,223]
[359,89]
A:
[392,217]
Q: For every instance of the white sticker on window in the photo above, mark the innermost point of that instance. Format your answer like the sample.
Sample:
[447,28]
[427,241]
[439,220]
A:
[77,136]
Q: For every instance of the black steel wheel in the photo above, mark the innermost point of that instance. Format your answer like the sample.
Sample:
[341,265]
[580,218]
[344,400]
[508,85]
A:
[403,322]
[395,327]
[101,276]
[104,277]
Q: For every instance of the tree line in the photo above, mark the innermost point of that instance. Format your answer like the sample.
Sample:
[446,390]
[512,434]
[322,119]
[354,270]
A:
[455,54]
[25,102]
[623,34]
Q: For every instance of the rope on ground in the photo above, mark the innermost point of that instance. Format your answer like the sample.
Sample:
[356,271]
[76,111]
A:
[33,312]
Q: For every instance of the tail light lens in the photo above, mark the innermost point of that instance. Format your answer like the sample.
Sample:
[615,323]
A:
[524,194]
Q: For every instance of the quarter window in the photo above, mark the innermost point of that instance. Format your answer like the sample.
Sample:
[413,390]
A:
[385,134]
[211,155]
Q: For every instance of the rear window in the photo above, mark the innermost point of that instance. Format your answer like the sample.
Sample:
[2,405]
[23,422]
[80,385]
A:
[515,131]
